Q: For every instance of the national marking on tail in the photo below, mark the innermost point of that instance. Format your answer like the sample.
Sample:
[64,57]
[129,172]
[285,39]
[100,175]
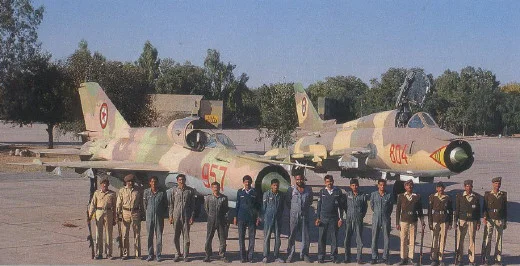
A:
[308,117]
[101,116]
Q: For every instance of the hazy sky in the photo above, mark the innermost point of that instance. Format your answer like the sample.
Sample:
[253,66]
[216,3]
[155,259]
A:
[296,41]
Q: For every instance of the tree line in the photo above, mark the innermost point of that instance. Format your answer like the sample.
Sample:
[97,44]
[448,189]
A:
[36,88]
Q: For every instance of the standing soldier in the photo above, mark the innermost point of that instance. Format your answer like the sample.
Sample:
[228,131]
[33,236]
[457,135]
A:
[130,209]
[467,218]
[103,206]
[299,200]
[216,207]
[329,214]
[408,211]
[181,204]
[355,211]
[247,218]
[381,204]
[495,218]
[156,207]
[440,218]
[272,210]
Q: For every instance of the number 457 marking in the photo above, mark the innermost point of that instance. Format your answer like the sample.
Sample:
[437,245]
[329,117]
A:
[209,174]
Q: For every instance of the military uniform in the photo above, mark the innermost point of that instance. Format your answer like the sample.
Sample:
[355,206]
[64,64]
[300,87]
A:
[130,209]
[103,207]
[329,212]
[440,217]
[156,206]
[217,209]
[181,204]
[408,210]
[299,204]
[382,206]
[495,215]
[355,210]
[467,212]
[247,213]
[272,210]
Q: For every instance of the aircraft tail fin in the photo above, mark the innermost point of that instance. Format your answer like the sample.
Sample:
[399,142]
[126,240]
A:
[100,114]
[308,117]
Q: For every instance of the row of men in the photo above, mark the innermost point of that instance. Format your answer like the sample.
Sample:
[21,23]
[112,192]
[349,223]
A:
[334,209]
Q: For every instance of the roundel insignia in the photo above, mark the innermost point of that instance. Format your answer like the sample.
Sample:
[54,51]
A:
[103,115]
[304,106]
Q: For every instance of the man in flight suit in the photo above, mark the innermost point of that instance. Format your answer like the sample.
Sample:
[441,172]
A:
[247,207]
[181,203]
[216,207]
[355,210]
[272,210]
[467,218]
[408,211]
[440,219]
[495,218]
[103,206]
[299,200]
[156,207]
[329,214]
[381,204]
[130,209]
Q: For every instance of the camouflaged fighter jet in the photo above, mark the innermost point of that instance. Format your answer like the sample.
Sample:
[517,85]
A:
[393,144]
[203,155]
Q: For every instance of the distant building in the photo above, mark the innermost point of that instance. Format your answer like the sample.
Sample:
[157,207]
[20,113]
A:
[170,107]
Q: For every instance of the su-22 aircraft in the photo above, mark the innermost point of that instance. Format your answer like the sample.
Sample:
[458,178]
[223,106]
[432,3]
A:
[393,144]
[203,155]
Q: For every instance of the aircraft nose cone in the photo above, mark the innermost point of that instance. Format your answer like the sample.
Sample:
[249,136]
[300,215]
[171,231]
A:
[458,155]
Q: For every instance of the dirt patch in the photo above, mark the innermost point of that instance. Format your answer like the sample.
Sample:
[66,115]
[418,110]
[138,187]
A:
[5,159]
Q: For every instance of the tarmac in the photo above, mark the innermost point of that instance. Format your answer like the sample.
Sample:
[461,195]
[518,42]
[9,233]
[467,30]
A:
[42,216]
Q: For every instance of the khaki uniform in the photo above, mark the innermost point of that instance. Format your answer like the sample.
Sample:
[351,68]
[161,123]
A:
[467,211]
[495,213]
[440,217]
[408,211]
[130,207]
[103,207]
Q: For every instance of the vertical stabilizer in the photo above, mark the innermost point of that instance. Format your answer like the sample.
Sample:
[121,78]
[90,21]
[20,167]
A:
[308,117]
[100,114]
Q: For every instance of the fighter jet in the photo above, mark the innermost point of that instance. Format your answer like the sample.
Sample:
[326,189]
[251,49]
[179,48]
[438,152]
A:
[394,144]
[186,146]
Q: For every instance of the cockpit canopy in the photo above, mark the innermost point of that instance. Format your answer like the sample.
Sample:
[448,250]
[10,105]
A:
[420,120]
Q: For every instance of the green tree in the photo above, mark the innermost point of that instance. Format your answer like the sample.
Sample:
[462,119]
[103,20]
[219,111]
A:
[127,86]
[219,74]
[278,114]
[40,92]
[19,22]
[175,78]
[510,108]
[347,91]
[149,62]
[382,95]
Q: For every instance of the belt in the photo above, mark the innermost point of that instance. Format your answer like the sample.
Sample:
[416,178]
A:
[494,210]
[130,209]
[409,213]
[101,208]
[438,212]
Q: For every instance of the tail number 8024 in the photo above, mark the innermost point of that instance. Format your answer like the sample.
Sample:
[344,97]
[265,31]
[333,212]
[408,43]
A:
[398,154]
[213,173]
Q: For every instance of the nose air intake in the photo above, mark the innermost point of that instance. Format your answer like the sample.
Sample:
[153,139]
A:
[458,156]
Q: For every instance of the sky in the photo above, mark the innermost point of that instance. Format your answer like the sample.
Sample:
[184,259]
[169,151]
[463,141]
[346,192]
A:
[296,41]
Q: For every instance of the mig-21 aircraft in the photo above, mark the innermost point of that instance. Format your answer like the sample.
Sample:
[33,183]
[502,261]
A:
[203,155]
[392,144]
